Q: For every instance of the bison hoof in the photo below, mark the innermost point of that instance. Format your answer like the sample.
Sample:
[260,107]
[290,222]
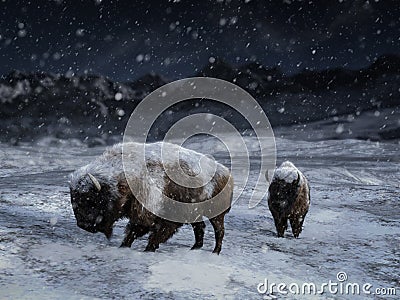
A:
[124,246]
[150,249]
[217,251]
[196,246]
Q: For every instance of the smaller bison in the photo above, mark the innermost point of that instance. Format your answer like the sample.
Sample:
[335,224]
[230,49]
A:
[289,198]
[101,195]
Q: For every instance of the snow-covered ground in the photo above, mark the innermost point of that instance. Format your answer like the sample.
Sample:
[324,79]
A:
[352,227]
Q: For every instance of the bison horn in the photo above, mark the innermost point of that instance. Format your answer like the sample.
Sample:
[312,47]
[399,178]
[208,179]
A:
[95,181]
[267,174]
[298,178]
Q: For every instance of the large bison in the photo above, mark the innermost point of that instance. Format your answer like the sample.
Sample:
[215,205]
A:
[101,192]
[289,198]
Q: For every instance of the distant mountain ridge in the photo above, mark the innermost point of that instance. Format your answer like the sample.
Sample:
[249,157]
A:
[95,108]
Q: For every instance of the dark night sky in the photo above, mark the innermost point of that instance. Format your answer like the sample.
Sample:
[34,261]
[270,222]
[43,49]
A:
[126,39]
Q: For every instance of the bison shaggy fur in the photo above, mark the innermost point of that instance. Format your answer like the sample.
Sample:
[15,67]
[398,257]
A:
[101,195]
[289,198]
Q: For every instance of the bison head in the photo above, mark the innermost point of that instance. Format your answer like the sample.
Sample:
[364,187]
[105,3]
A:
[93,205]
[283,193]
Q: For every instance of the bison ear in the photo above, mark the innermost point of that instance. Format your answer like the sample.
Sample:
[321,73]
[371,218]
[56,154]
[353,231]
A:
[95,181]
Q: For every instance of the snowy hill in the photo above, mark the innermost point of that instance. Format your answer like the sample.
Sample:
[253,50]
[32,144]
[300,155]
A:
[95,109]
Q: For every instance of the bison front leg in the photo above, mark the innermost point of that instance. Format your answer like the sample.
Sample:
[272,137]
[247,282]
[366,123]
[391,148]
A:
[280,222]
[132,232]
[281,226]
[161,234]
[198,229]
[296,222]
[219,229]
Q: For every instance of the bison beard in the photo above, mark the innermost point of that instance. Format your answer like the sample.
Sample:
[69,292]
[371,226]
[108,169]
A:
[98,201]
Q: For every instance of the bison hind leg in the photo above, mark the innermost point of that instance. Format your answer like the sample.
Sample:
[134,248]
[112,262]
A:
[219,229]
[198,229]
[161,235]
